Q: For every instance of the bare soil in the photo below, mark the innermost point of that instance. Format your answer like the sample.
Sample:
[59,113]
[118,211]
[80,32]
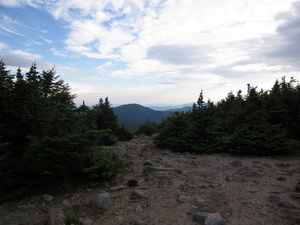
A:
[244,190]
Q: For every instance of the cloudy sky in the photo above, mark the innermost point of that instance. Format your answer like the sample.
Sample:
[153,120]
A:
[154,51]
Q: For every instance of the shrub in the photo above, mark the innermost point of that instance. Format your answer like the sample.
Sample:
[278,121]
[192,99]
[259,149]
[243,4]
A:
[103,165]
[123,134]
[147,128]
[70,218]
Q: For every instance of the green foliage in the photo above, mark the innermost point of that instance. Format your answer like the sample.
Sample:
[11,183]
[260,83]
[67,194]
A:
[173,133]
[260,123]
[70,218]
[44,137]
[123,134]
[100,137]
[104,165]
[147,128]
[56,156]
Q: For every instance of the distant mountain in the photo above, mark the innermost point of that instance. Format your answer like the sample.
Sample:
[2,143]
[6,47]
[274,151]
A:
[133,115]
[170,107]
[183,109]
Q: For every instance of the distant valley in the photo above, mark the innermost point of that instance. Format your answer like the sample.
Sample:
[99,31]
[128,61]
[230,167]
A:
[133,115]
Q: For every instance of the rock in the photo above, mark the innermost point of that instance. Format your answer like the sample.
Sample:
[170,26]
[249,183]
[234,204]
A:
[200,216]
[257,168]
[140,193]
[199,200]
[138,209]
[297,188]
[190,185]
[132,183]
[56,217]
[66,202]
[87,222]
[182,199]
[274,199]
[117,188]
[154,168]
[48,198]
[263,213]
[103,201]
[138,222]
[214,219]
[215,185]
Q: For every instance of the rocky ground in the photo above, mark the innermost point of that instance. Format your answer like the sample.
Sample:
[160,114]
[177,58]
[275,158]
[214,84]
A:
[164,187]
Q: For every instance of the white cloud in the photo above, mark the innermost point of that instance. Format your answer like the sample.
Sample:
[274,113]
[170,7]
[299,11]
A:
[2,46]
[17,3]
[185,43]
[58,52]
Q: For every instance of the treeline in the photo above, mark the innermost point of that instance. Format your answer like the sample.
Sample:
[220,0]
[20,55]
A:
[260,123]
[44,137]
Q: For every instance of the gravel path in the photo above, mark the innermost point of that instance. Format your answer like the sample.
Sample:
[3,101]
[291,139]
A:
[164,187]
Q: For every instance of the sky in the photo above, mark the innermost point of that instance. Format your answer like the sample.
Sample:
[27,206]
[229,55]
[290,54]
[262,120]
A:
[154,52]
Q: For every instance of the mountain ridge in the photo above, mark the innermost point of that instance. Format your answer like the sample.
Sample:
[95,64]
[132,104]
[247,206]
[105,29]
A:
[133,115]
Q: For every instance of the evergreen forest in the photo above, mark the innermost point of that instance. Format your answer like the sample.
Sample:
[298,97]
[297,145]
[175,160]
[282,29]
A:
[257,123]
[46,139]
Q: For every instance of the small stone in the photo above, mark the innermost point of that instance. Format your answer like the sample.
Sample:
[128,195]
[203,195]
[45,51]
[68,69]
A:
[182,199]
[87,222]
[140,193]
[103,201]
[56,217]
[215,185]
[48,198]
[200,216]
[132,183]
[138,209]
[66,202]
[199,199]
[263,213]
[117,188]
[214,219]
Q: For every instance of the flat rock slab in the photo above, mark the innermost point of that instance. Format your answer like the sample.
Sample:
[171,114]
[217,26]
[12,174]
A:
[140,193]
[154,168]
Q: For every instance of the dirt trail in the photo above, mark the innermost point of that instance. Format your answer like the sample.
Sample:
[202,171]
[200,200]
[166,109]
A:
[244,190]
